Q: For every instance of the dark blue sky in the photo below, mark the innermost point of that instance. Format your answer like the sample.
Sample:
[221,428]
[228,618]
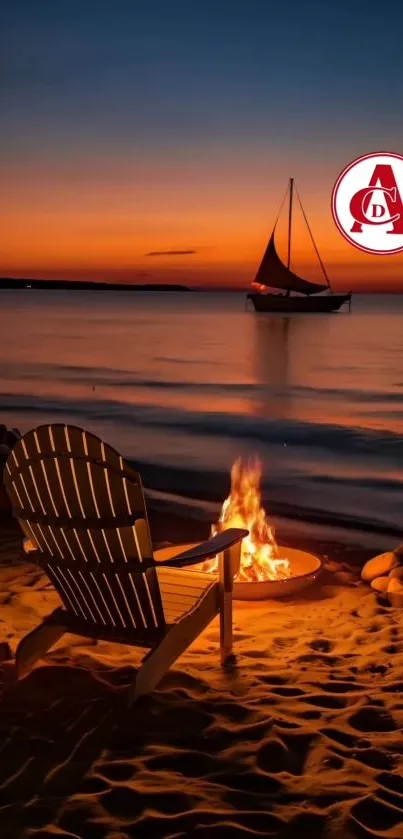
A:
[129,68]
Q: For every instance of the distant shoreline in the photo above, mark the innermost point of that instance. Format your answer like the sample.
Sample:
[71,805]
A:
[81,285]
[17,283]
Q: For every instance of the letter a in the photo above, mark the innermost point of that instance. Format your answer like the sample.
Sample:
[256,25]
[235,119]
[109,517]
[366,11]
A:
[383,178]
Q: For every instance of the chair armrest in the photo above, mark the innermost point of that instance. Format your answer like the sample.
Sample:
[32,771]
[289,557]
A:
[206,550]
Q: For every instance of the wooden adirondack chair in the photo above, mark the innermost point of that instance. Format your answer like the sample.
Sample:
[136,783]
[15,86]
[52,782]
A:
[86,515]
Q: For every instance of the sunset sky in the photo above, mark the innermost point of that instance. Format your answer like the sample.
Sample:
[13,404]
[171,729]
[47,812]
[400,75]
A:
[134,128]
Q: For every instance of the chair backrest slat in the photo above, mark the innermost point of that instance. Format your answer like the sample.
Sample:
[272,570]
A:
[65,473]
[76,509]
[47,439]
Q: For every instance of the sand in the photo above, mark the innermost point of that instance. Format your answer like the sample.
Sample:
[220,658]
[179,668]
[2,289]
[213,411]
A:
[302,739]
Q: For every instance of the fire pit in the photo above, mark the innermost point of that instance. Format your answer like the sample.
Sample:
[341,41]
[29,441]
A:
[266,569]
[304,569]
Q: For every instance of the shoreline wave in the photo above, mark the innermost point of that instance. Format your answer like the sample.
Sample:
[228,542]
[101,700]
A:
[117,378]
[216,424]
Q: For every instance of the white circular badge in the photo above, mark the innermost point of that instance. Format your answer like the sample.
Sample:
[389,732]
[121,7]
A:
[367,203]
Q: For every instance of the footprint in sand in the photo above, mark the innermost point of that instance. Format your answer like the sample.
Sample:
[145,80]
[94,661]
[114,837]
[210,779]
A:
[321,645]
[310,715]
[375,815]
[334,762]
[375,758]
[252,783]
[272,679]
[282,643]
[392,649]
[376,668]
[340,736]
[340,687]
[307,824]
[326,700]
[319,658]
[359,750]
[255,653]
[391,789]
[372,718]
[391,782]
[375,627]
[240,636]
[287,691]
[287,754]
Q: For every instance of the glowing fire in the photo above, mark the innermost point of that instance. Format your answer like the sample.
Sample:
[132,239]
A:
[242,508]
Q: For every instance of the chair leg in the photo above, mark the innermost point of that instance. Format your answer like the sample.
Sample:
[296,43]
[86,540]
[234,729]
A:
[179,637]
[227,563]
[226,628]
[35,645]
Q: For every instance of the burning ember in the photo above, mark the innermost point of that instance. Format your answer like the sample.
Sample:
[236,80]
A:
[243,508]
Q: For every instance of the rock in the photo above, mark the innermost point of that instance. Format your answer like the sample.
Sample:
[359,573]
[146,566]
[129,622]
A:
[380,584]
[396,573]
[395,592]
[11,438]
[379,565]
[394,584]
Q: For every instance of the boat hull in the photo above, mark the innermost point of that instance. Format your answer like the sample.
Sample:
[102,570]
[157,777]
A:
[280,303]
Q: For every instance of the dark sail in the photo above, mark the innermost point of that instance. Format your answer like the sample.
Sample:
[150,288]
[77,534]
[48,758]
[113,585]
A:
[274,274]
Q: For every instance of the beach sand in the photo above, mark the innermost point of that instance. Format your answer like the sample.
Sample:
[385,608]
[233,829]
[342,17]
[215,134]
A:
[303,738]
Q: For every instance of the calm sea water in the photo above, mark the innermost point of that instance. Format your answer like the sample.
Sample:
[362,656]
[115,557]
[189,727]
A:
[188,382]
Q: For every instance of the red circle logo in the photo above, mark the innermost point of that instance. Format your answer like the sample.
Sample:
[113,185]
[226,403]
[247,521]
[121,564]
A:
[367,203]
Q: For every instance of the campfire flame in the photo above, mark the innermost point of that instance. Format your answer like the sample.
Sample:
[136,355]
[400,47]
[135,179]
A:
[242,508]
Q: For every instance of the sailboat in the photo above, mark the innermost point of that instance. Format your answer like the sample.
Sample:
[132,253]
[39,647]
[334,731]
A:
[272,273]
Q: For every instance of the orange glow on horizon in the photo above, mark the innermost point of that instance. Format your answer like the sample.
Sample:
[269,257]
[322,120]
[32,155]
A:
[100,225]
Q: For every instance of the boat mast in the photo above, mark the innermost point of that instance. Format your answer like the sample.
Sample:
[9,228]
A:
[290,222]
[290,227]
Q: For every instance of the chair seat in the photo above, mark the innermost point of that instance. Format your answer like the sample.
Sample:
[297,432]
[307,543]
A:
[181,590]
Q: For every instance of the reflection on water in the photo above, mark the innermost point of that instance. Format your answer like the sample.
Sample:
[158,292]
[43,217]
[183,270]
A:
[335,369]
[272,336]
[272,360]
